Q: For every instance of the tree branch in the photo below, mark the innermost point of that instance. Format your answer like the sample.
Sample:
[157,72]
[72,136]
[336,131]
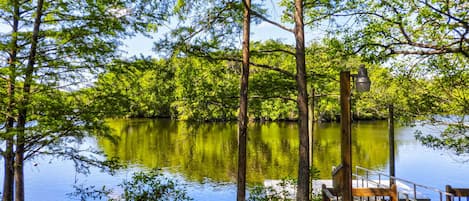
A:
[273,51]
[269,67]
[271,22]
[366,13]
[274,97]
[273,68]
[464,23]
[425,52]
[285,72]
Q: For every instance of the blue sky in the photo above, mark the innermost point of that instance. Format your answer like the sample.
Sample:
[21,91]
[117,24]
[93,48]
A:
[264,31]
[259,32]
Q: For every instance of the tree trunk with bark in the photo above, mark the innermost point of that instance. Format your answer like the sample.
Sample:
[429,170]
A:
[24,103]
[311,138]
[302,102]
[8,179]
[243,105]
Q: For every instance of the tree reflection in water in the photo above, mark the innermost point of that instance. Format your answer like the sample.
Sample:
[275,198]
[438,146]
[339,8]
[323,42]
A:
[201,151]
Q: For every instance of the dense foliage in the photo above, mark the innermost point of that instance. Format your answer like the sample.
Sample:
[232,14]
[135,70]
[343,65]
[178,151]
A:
[416,52]
[426,43]
[194,88]
[48,49]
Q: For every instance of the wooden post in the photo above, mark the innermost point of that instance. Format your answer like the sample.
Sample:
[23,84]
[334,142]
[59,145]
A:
[394,194]
[324,196]
[449,190]
[456,192]
[392,163]
[346,137]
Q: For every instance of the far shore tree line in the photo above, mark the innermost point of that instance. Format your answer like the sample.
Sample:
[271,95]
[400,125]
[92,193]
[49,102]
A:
[417,53]
[200,89]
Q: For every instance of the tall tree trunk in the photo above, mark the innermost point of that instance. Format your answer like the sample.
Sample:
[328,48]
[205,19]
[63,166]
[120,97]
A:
[311,137]
[243,104]
[302,102]
[8,179]
[23,107]
[8,156]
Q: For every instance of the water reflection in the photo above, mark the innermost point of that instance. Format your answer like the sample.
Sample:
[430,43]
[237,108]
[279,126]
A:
[201,151]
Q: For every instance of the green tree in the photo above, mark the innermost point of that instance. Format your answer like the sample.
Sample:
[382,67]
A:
[409,27]
[10,78]
[421,38]
[53,44]
[447,95]
[303,189]
[216,31]
[205,90]
[139,87]
[23,103]
[273,85]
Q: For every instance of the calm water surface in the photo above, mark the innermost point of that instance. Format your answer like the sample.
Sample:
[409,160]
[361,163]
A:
[203,156]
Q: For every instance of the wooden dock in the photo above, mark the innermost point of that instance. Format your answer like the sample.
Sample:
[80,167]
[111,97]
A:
[402,188]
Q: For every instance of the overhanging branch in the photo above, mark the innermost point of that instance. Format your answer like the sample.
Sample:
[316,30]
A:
[271,22]
[273,51]
[265,66]
[274,97]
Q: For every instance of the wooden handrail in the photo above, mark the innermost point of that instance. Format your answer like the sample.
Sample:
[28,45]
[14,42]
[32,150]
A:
[370,192]
[337,169]
[328,194]
[338,177]
[456,192]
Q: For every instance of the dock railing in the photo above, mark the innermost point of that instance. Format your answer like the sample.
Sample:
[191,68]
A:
[377,178]
[369,193]
[456,193]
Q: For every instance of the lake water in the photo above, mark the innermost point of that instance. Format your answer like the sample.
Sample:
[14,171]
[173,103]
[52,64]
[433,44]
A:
[203,156]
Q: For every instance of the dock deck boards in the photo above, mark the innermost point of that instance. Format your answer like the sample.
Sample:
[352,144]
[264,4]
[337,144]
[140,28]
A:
[401,187]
